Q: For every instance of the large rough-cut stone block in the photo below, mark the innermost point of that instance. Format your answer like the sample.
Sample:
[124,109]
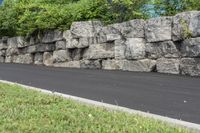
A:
[186,24]
[19,42]
[12,47]
[45,47]
[2,59]
[190,66]
[135,48]
[90,64]
[2,52]
[52,36]
[48,59]
[70,64]
[31,49]
[61,56]
[85,29]
[120,48]
[60,45]
[132,28]
[23,59]
[191,47]
[70,41]
[100,51]
[8,59]
[171,66]
[38,59]
[144,65]
[76,54]
[158,29]
[108,34]
[165,49]
[112,64]
[3,45]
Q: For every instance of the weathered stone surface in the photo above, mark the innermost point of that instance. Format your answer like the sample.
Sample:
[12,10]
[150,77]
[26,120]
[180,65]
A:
[90,64]
[38,59]
[70,64]
[158,29]
[85,29]
[48,59]
[23,59]
[100,51]
[131,29]
[8,59]
[186,24]
[83,43]
[60,45]
[144,65]
[171,66]
[2,59]
[31,49]
[165,49]
[108,34]
[12,47]
[70,41]
[120,48]
[112,64]
[76,54]
[52,36]
[45,47]
[2,52]
[135,48]
[36,39]
[19,41]
[61,56]
[191,47]
[3,45]
[190,66]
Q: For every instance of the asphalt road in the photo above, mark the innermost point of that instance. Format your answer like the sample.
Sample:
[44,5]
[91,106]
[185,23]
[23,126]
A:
[167,95]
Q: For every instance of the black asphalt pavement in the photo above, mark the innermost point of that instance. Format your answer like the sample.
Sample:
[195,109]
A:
[167,95]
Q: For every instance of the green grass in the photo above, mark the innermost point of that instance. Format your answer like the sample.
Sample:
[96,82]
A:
[27,111]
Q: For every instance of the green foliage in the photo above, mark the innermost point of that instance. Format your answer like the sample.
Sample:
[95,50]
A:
[186,31]
[22,17]
[172,7]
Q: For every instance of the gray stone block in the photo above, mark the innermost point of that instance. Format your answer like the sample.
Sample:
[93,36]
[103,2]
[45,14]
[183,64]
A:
[158,29]
[23,59]
[85,29]
[186,25]
[38,59]
[52,36]
[167,49]
[2,59]
[60,45]
[120,49]
[48,59]
[112,64]
[132,28]
[191,47]
[90,64]
[61,56]
[135,48]
[100,51]
[170,66]
[190,66]
[70,64]
[145,65]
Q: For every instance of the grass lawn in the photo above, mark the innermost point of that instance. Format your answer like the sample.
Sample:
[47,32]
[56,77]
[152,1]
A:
[27,111]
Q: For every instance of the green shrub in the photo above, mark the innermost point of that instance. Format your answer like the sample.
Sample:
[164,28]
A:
[22,17]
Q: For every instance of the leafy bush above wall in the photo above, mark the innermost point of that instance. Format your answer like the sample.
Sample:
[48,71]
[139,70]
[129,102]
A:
[22,17]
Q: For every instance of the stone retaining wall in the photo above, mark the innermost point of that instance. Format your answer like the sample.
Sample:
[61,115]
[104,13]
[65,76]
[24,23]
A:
[165,45]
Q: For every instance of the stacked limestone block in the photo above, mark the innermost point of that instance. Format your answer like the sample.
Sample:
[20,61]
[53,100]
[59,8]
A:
[165,45]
